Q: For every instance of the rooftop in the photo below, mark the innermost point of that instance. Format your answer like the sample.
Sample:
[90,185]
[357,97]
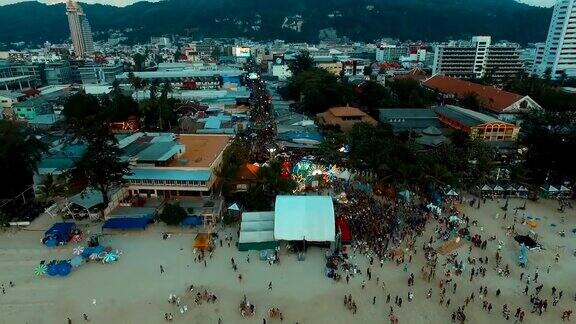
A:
[465,116]
[182,74]
[491,98]
[201,150]
[346,112]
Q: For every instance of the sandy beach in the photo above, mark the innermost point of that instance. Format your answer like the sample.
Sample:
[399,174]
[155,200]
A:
[134,291]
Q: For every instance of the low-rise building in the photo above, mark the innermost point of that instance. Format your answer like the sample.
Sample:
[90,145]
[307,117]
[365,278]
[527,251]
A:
[506,105]
[166,165]
[476,124]
[344,117]
[409,119]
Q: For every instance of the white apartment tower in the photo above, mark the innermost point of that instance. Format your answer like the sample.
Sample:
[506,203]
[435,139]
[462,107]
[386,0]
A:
[560,49]
[477,58]
[80,30]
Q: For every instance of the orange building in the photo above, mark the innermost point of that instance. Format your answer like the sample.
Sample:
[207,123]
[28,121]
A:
[344,117]
[476,124]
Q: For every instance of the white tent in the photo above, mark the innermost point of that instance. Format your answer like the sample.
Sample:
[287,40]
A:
[522,189]
[511,188]
[345,175]
[549,189]
[234,206]
[256,231]
[564,189]
[452,193]
[486,188]
[498,188]
[309,218]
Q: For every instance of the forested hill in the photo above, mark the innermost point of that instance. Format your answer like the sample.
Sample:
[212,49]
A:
[292,20]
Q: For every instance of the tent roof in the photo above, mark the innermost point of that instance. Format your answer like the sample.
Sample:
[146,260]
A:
[486,187]
[256,237]
[522,188]
[498,188]
[304,217]
[344,175]
[60,228]
[257,227]
[563,188]
[257,216]
[549,188]
[234,206]
[87,198]
[452,193]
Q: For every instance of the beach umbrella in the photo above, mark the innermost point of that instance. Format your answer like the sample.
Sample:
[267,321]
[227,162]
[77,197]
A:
[93,256]
[78,250]
[51,243]
[532,224]
[110,257]
[76,261]
[64,269]
[52,269]
[41,270]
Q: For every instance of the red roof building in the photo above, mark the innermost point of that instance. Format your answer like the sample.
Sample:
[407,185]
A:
[491,99]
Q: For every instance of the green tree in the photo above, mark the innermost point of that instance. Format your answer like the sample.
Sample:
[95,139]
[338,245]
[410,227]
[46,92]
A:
[410,93]
[373,96]
[20,153]
[173,214]
[235,156]
[139,60]
[368,70]
[318,90]
[83,113]
[471,101]
[303,62]
[137,83]
[102,166]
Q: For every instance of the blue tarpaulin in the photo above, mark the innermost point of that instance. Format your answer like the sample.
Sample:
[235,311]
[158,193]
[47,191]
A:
[59,232]
[126,223]
[192,221]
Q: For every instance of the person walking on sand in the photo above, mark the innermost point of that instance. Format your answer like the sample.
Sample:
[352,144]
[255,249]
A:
[161,269]
[85,318]
[68,320]
[240,277]
[270,285]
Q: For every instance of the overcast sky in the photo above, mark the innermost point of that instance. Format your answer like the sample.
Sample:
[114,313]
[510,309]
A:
[127,2]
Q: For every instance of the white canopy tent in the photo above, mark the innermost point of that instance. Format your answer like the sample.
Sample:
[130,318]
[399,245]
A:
[234,206]
[309,218]
[452,193]
[256,231]
[486,188]
[345,175]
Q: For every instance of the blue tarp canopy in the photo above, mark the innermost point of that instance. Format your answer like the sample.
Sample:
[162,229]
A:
[126,223]
[192,221]
[60,231]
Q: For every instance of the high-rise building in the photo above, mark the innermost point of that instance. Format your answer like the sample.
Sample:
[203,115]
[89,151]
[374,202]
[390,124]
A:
[80,30]
[560,50]
[477,58]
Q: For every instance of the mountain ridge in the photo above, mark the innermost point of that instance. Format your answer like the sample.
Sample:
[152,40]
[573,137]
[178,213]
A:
[298,20]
